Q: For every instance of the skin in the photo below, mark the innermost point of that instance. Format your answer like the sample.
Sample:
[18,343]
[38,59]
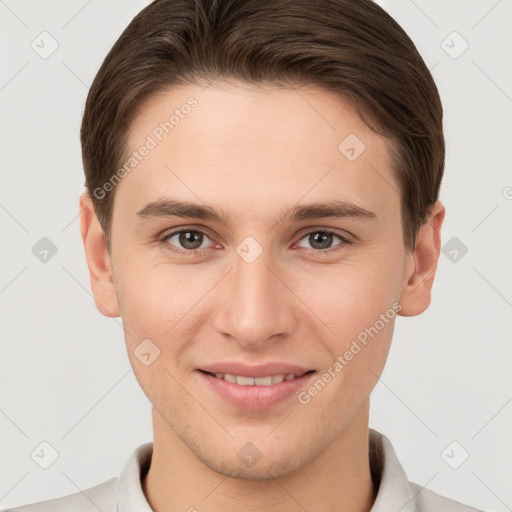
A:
[254,152]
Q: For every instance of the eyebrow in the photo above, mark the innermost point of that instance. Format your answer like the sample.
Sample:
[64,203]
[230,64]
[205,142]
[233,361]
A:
[163,208]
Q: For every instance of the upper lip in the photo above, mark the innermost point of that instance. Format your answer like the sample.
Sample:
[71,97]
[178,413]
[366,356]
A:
[262,370]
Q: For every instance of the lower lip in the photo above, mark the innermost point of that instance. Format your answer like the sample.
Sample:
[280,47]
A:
[256,398]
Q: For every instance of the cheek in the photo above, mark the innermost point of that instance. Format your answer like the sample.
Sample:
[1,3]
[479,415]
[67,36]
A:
[358,301]
[351,296]
[157,310]
[154,298]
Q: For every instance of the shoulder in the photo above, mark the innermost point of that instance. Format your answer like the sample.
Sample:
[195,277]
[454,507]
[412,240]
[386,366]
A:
[395,491]
[100,497]
[429,501]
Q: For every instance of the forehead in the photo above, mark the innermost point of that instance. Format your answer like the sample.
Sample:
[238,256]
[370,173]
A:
[251,147]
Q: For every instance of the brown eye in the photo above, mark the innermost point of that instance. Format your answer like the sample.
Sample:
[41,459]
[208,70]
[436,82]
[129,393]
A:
[321,240]
[186,239]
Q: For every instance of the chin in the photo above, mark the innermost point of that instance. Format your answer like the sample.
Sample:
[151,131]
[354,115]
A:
[261,471]
[244,461]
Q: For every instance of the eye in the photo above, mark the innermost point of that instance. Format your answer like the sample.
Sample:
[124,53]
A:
[185,240]
[192,241]
[321,240]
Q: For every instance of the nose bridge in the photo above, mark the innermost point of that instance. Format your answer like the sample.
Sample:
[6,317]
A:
[257,305]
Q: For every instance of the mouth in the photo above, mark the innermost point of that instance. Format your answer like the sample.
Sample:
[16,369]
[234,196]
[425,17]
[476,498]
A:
[269,380]
[260,393]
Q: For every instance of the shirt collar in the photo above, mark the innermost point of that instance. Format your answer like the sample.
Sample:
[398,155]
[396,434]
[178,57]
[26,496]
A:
[394,491]
[130,496]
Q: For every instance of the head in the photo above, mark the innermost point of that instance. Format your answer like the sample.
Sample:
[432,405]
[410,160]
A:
[298,146]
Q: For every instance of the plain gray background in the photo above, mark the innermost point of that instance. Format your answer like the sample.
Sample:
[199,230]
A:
[446,391]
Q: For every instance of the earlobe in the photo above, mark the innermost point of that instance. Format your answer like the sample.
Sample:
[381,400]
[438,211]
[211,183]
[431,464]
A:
[98,259]
[416,293]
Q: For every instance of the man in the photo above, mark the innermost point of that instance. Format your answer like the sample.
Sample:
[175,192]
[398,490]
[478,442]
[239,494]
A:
[262,202]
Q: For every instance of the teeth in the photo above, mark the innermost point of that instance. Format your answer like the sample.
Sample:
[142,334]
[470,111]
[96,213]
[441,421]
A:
[245,381]
[277,379]
[256,381]
[263,381]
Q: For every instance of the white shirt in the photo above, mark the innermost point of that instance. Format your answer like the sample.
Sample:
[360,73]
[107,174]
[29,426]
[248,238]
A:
[124,494]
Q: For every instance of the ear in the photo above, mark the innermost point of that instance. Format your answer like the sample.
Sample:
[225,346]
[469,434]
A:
[98,259]
[421,268]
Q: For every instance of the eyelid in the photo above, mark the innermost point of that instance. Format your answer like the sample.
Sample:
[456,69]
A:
[332,231]
[345,240]
[174,231]
[344,237]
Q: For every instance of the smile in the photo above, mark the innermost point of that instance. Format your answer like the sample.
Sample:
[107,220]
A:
[268,380]
[255,393]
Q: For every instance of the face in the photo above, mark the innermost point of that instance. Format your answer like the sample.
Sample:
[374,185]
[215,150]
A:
[288,257]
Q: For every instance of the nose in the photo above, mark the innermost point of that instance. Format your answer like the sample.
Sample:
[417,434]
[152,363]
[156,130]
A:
[255,306]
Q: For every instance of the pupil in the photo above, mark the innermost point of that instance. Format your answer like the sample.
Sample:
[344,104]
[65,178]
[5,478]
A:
[191,239]
[320,238]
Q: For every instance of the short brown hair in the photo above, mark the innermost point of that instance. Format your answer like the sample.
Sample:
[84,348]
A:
[350,47]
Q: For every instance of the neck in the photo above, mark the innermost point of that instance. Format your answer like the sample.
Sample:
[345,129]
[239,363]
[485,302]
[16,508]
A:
[338,478]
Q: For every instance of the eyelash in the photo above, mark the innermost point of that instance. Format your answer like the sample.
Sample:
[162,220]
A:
[339,247]
[198,252]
